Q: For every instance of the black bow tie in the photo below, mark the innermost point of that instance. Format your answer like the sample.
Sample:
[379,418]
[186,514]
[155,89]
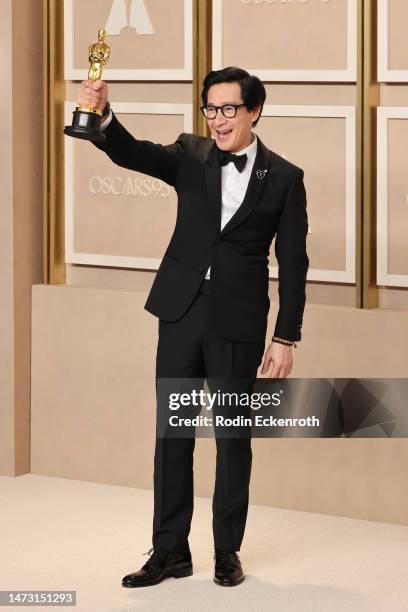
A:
[239,160]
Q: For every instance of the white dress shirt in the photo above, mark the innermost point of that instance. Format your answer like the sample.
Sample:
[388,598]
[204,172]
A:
[234,185]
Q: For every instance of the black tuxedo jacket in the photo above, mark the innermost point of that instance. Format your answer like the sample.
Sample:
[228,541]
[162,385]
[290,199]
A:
[274,203]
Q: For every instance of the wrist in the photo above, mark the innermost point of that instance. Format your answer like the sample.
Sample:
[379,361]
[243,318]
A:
[106,111]
[284,341]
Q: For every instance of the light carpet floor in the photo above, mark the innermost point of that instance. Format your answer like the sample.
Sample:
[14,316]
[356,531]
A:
[60,534]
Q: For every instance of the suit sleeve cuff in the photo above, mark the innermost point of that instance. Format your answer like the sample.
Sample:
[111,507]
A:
[106,122]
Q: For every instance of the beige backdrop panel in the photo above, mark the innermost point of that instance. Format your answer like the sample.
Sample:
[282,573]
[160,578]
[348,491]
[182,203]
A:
[137,220]
[21,216]
[164,49]
[93,404]
[397,35]
[397,196]
[394,95]
[7,304]
[289,36]
[318,146]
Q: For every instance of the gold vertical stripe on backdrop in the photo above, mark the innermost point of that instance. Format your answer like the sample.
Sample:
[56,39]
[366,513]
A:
[53,163]
[371,100]
[359,156]
[202,60]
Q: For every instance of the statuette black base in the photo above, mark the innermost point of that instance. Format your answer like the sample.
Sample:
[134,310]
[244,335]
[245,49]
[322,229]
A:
[85,125]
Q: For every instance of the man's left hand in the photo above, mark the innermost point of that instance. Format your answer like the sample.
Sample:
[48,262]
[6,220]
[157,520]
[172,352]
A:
[280,358]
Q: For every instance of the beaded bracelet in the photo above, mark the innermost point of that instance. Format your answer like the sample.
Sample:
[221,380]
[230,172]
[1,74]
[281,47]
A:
[283,341]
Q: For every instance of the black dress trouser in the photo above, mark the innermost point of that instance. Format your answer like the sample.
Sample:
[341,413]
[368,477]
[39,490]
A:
[191,348]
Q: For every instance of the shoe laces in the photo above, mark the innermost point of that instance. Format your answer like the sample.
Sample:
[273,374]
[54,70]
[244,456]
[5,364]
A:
[224,556]
[155,558]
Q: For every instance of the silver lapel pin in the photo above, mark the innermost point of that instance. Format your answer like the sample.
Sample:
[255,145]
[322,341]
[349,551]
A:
[261,173]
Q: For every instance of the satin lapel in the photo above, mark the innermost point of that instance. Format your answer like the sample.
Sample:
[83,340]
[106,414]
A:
[213,179]
[256,184]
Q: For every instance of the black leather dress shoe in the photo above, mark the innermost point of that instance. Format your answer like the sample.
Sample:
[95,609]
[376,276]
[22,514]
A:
[228,569]
[160,565]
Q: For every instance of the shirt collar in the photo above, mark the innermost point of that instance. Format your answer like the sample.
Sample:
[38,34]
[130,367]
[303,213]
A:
[250,150]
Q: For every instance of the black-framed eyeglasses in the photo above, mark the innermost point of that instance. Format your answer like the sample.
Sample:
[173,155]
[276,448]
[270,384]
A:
[228,110]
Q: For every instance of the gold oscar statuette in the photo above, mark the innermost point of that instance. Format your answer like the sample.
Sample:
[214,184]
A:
[86,122]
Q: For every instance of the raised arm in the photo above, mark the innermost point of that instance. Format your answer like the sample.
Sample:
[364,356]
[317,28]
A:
[125,150]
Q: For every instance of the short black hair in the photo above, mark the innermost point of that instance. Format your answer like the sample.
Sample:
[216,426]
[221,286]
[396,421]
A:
[252,89]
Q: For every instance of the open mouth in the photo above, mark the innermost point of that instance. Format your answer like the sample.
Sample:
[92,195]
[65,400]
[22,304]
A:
[223,133]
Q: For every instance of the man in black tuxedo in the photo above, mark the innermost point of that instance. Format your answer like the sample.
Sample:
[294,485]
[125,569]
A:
[211,295]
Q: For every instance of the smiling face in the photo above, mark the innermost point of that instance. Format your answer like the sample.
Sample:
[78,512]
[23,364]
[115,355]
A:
[230,134]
